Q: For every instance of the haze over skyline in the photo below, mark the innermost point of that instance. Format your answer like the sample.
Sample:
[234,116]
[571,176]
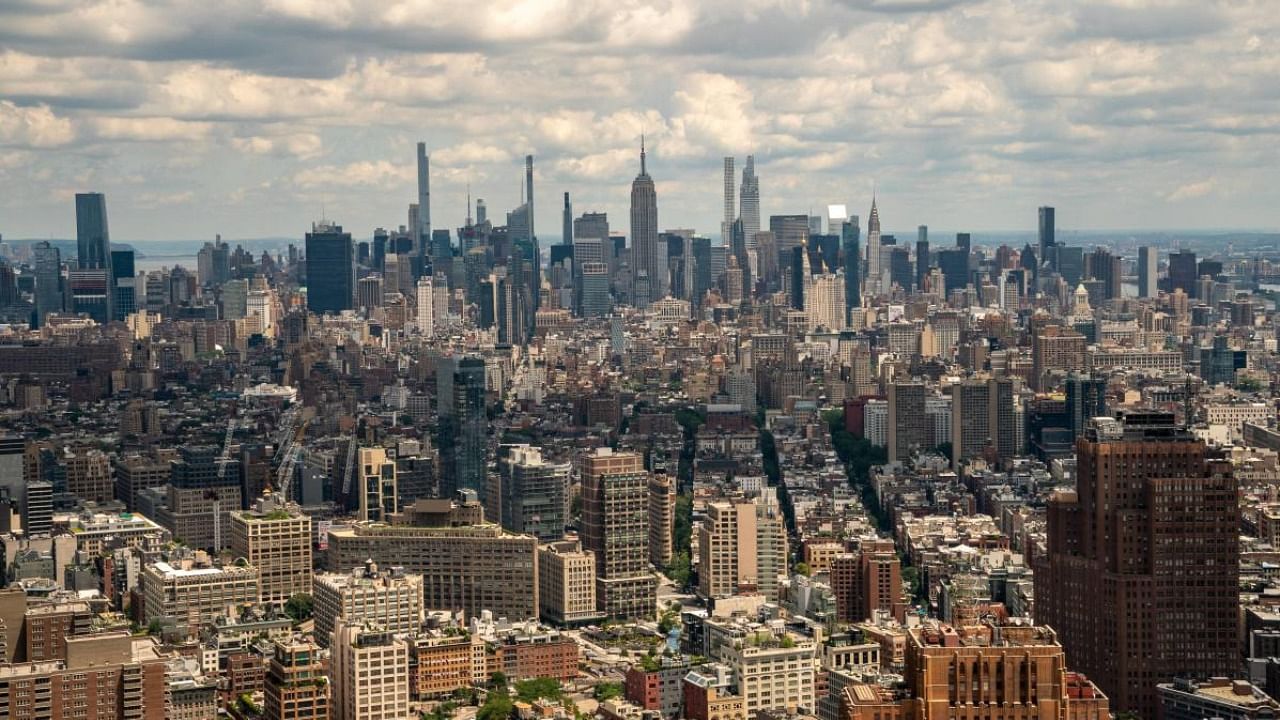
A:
[196,119]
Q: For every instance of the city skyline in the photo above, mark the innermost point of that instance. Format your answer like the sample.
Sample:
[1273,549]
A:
[191,134]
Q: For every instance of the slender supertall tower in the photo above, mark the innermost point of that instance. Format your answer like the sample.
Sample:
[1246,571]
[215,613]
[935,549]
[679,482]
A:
[424,198]
[644,236]
[749,202]
[567,233]
[726,225]
[528,187]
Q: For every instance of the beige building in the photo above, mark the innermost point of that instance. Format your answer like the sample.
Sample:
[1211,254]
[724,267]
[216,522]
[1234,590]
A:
[370,672]
[389,599]
[566,583]
[276,539]
[378,489]
[194,591]
[773,671]
[468,568]
[742,548]
[662,518]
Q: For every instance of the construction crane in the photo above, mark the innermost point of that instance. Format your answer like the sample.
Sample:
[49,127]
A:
[289,460]
[350,467]
[224,462]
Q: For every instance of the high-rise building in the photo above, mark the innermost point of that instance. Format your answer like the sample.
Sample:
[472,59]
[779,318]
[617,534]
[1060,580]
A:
[593,298]
[194,591]
[873,250]
[93,242]
[105,676]
[825,305]
[1148,271]
[331,269]
[528,187]
[370,672]
[662,518]
[275,538]
[1183,272]
[533,495]
[738,542]
[923,260]
[909,427]
[1055,351]
[566,232]
[849,242]
[1141,574]
[390,599]
[369,295]
[378,494]
[749,206]
[1086,399]
[730,206]
[124,301]
[615,523]
[1047,233]
[426,321]
[297,684]
[646,261]
[868,581]
[566,584]
[423,228]
[48,270]
[466,565]
[462,430]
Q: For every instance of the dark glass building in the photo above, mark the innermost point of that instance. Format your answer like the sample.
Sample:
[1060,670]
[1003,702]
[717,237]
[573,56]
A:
[93,242]
[331,269]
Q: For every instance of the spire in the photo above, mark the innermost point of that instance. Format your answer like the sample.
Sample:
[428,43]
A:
[642,169]
[468,204]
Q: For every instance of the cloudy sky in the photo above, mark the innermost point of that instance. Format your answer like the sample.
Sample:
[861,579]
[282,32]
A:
[250,117]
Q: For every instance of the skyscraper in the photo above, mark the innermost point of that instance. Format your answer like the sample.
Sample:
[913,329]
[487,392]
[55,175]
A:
[426,322]
[566,233]
[726,225]
[528,189]
[125,291]
[1048,238]
[331,269]
[463,424]
[1148,271]
[1183,272]
[749,202]
[873,249]
[424,198]
[1141,577]
[852,261]
[645,259]
[532,498]
[48,267]
[909,426]
[93,242]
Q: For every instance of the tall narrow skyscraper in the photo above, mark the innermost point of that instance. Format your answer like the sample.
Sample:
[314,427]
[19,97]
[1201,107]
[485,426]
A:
[48,267]
[849,242]
[424,198]
[645,259]
[1048,237]
[1148,271]
[726,224]
[566,234]
[749,203]
[528,189]
[873,249]
[93,242]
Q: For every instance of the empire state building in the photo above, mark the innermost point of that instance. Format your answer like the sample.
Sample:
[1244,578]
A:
[649,269]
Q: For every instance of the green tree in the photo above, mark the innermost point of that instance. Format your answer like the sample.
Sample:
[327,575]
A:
[802,568]
[497,706]
[498,680]
[299,607]
[681,570]
[535,688]
[607,691]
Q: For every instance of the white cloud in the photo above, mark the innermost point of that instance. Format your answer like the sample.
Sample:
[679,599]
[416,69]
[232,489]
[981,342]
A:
[33,127]
[1191,190]
[380,173]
